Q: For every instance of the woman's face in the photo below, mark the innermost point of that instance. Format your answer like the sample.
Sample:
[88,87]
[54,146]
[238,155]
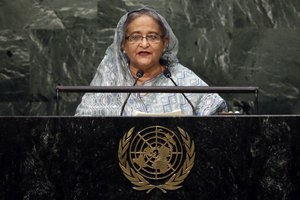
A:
[143,44]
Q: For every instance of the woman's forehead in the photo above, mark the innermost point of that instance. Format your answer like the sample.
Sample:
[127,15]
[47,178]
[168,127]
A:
[143,23]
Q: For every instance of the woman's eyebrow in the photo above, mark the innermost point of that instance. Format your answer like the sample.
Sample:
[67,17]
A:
[135,32]
[139,32]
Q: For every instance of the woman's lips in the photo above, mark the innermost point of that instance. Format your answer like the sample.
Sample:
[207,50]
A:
[144,53]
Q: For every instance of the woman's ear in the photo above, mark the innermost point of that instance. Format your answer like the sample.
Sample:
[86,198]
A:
[166,42]
[122,47]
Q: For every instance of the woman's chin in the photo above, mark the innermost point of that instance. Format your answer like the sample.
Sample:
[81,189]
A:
[144,66]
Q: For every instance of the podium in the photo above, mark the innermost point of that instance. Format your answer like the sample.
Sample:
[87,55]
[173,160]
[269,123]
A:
[235,157]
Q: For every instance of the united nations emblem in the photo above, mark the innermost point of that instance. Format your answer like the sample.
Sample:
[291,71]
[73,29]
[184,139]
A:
[156,157]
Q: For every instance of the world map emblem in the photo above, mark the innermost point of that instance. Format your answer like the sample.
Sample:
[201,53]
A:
[156,157]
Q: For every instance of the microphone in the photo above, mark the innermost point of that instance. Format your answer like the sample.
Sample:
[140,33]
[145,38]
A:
[167,74]
[139,74]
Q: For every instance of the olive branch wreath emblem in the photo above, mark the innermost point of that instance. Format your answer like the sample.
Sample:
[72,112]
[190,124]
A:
[174,182]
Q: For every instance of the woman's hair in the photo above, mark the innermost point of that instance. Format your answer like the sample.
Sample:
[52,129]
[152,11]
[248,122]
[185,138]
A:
[137,13]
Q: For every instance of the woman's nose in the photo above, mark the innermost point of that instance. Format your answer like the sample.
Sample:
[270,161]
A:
[144,43]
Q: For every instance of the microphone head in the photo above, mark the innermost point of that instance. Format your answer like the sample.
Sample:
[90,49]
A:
[167,73]
[139,73]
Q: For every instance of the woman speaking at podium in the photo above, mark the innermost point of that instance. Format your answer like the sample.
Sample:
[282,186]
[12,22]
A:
[144,53]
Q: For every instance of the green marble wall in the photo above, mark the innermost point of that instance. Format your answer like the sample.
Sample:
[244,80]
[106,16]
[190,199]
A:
[228,43]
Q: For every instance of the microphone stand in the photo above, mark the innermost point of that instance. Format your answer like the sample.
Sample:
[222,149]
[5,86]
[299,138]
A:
[167,74]
[139,74]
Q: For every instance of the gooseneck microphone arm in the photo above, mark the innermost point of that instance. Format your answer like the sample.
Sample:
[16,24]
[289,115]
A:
[139,74]
[168,75]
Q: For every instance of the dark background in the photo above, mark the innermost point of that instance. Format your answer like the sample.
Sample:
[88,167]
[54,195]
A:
[44,43]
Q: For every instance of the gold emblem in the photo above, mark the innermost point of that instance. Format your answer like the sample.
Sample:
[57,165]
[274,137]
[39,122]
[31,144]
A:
[156,157]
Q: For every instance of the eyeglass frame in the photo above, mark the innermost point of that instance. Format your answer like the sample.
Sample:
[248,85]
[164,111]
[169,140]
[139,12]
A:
[141,38]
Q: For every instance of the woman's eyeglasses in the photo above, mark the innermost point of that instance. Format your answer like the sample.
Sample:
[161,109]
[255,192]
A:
[151,38]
